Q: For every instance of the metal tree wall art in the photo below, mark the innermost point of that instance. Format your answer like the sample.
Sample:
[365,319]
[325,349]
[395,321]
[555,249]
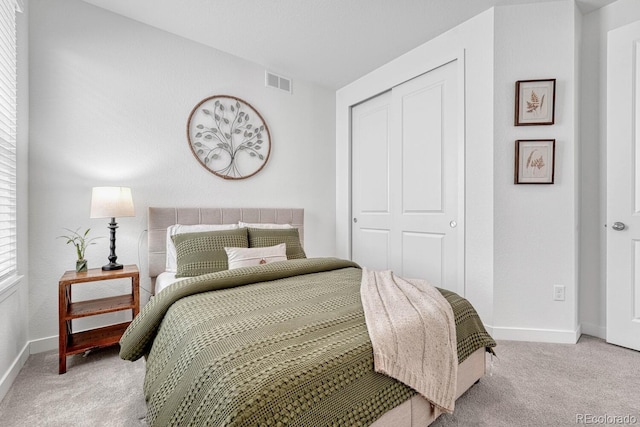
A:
[229,137]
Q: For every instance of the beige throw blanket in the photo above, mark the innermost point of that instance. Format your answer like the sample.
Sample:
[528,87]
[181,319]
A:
[413,333]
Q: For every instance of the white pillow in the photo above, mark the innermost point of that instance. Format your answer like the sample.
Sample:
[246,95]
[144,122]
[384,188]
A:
[266,225]
[246,257]
[172,263]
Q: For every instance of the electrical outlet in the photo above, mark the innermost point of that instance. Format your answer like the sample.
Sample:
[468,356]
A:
[558,293]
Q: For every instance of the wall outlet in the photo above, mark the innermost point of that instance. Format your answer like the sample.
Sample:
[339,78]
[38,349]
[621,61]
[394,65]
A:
[558,293]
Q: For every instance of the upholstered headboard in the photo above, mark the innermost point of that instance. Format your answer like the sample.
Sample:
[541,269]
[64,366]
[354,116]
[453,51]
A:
[161,218]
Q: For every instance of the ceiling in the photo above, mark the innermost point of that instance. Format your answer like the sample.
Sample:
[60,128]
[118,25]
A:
[329,42]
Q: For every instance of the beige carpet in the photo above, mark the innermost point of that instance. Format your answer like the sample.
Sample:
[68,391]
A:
[97,390]
[531,385]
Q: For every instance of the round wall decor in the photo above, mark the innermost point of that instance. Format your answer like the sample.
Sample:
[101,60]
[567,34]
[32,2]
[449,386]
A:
[228,137]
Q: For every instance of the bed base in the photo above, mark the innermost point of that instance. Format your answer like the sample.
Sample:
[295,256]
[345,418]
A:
[418,412]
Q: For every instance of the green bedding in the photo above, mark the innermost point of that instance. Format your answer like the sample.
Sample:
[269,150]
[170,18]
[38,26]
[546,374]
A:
[278,344]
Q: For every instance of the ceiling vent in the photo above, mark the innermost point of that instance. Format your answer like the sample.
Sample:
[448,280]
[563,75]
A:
[277,82]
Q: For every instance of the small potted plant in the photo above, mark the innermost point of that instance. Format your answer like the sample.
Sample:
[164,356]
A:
[80,241]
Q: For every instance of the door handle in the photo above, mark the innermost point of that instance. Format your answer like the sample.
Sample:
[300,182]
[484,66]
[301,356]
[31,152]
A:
[618,226]
[355,219]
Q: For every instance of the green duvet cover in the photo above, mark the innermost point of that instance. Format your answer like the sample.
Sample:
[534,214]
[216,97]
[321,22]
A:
[279,344]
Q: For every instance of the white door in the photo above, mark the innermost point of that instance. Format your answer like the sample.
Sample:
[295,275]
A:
[371,192]
[406,196]
[623,186]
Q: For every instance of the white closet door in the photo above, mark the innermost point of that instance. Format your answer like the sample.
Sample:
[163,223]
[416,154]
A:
[371,193]
[414,133]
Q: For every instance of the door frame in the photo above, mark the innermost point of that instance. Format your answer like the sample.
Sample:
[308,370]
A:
[368,87]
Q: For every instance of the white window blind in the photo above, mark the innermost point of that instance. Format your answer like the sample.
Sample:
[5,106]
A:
[8,77]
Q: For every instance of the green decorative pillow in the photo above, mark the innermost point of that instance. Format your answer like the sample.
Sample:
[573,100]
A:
[262,237]
[202,253]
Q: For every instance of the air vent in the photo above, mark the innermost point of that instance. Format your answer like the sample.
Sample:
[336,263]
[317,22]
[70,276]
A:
[277,82]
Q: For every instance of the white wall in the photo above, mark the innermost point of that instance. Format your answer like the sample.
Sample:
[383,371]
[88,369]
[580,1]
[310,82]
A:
[472,40]
[110,98]
[535,230]
[14,305]
[593,159]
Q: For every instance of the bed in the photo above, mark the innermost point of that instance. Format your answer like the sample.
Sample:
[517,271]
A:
[215,343]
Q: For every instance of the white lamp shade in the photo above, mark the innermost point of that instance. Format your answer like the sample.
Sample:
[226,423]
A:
[111,202]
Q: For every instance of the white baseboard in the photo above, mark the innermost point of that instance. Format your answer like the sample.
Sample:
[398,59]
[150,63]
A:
[594,330]
[10,376]
[43,344]
[557,336]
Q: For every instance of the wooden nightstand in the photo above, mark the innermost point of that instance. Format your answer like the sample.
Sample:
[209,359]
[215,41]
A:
[74,343]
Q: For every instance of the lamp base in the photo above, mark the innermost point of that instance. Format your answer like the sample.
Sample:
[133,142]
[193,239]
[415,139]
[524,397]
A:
[112,266]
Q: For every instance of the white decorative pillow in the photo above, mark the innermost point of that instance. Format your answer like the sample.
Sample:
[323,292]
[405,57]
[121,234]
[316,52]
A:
[246,257]
[266,225]
[172,264]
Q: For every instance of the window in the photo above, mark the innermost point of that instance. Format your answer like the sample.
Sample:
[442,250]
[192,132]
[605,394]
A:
[8,77]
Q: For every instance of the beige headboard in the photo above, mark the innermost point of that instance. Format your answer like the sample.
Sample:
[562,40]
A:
[161,218]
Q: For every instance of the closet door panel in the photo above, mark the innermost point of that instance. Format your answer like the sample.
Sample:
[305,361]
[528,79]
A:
[371,205]
[422,150]
[423,256]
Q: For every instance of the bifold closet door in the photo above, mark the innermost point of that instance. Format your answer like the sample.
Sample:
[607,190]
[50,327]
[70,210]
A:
[406,199]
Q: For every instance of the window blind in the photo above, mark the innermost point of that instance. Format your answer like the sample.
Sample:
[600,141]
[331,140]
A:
[8,77]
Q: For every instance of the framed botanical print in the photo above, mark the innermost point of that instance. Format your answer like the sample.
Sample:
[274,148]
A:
[535,161]
[535,102]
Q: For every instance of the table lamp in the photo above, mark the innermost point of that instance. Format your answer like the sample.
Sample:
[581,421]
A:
[111,202]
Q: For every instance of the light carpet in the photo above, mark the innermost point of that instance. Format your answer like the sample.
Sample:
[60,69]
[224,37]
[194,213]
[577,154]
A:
[531,384]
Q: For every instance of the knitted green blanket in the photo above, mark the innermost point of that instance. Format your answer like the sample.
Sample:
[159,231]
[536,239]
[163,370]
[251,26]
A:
[279,344]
